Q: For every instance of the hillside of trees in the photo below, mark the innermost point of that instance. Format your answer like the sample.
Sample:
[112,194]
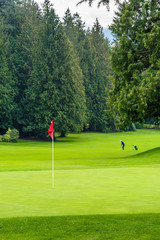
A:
[51,70]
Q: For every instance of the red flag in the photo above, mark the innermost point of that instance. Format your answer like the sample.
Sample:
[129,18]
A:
[50,130]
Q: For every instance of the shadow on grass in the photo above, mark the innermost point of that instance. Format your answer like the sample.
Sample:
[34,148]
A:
[107,227]
[71,139]
[67,139]
[149,153]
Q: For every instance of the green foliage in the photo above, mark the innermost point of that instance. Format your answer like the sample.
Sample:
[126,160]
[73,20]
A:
[139,125]
[54,89]
[93,52]
[6,138]
[6,84]
[11,135]
[99,82]
[60,71]
[1,138]
[50,70]
[135,61]
[131,128]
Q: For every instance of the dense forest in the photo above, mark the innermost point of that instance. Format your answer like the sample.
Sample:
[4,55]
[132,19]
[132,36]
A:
[52,69]
[135,59]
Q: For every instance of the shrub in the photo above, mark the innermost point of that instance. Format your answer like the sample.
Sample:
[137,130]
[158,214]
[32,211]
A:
[131,127]
[13,134]
[6,138]
[139,125]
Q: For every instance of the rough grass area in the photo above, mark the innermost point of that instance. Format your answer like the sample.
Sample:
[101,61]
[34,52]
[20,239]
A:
[99,227]
[96,183]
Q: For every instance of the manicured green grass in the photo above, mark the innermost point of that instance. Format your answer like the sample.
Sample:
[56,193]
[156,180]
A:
[95,227]
[94,178]
[79,151]
[80,192]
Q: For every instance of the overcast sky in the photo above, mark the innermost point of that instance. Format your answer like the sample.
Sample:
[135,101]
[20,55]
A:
[88,14]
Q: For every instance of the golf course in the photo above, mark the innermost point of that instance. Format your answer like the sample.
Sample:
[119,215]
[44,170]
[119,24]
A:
[100,191]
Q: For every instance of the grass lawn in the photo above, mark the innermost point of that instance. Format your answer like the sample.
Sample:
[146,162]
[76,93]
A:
[101,192]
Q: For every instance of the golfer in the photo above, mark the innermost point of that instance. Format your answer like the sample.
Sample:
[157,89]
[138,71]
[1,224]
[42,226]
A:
[135,147]
[122,144]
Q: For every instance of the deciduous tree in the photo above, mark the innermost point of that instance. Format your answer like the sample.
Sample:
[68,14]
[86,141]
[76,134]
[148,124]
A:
[135,61]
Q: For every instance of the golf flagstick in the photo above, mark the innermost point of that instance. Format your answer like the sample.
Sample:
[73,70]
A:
[52,160]
[50,132]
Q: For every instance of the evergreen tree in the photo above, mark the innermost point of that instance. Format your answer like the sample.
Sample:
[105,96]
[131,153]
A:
[98,79]
[69,25]
[92,50]
[50,71]
[75,30]
[14,13]
[6,84]
[55,87]
[23,58]
[88,64]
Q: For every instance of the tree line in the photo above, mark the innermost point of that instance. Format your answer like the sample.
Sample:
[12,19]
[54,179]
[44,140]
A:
[135,59]
[51,69]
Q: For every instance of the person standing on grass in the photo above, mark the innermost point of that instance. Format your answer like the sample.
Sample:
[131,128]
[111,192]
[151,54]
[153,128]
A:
[122,144]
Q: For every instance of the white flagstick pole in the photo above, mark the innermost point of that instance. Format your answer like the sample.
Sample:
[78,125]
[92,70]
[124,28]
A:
[52,160]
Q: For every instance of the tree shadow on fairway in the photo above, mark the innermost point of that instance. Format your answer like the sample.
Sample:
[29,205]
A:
[67,139]
[71,139]
[102,227]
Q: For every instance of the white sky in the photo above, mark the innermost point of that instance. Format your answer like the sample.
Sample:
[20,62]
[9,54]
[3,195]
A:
[88,14]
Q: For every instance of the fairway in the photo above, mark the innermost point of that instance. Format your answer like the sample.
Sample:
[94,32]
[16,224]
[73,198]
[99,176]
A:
[93,176]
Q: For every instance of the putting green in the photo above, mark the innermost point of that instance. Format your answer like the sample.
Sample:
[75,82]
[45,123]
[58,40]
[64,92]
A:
[80,192]
[93,176]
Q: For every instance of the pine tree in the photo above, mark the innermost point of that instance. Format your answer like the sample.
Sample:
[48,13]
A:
[55,87]
[92,50]
[75,30]
[96,68]
[6,85]
[23,60]
[102,76]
